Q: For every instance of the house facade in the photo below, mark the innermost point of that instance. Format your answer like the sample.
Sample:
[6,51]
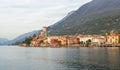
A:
[113,38]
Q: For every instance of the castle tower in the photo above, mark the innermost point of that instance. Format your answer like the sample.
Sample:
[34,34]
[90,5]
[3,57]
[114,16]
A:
[44,32]
[44,29]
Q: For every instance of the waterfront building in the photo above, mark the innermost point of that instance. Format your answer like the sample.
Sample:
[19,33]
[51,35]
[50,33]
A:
[113,38]
[94,39]
[53,40]
[84,38]
[98,39]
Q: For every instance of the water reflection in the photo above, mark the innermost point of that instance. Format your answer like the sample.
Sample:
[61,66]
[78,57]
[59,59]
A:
[17,58]
[91,59]
[114,58]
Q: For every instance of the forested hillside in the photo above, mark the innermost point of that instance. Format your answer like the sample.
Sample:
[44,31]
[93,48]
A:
[95,17]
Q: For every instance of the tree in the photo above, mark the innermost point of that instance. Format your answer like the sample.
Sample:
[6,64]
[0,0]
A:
[34,35]
[81,42]
[28,40]
[118,31]
[88,42]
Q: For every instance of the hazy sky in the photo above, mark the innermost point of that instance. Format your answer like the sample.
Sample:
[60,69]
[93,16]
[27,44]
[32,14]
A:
[21,16]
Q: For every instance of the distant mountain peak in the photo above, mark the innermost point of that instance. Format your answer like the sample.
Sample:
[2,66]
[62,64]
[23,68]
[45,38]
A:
[3,40]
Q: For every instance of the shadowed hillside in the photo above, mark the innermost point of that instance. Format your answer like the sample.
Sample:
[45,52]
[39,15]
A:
[80,20]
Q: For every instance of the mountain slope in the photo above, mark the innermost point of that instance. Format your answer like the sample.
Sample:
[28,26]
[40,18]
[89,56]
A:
[22,37]
[100,25]
[89,12]
[3,40]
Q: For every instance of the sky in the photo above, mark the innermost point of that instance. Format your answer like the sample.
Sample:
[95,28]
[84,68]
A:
[21,16]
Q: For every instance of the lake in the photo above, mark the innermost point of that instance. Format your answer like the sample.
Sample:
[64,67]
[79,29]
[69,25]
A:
[22,58]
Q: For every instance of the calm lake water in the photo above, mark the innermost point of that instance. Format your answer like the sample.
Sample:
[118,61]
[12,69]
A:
[21,58]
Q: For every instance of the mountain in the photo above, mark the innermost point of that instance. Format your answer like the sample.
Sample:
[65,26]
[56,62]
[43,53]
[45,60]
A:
[82,18]
[3,40]
[22,37]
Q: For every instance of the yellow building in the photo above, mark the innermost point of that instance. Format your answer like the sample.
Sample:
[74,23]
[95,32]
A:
[113,38]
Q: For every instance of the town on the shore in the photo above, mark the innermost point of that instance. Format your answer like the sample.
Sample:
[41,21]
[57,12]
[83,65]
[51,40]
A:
[111,39]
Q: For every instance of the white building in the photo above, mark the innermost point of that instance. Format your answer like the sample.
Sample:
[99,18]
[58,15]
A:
[84,38]
[98,39]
